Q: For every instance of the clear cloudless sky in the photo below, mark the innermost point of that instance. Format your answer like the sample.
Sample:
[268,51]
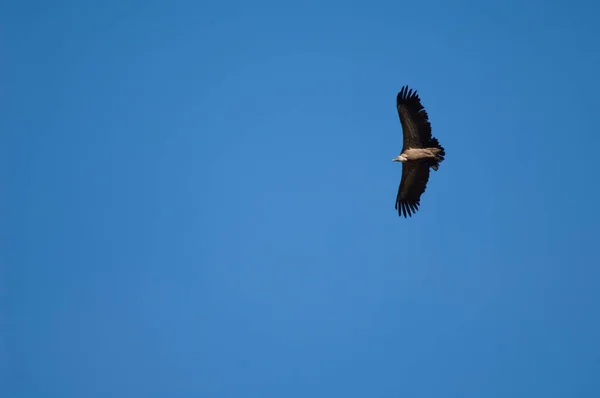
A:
[198,200]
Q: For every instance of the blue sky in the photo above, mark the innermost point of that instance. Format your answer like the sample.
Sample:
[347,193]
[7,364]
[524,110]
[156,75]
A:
[200,200]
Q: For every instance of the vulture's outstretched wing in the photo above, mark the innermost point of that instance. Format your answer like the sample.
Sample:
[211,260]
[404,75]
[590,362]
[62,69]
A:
[416,129]
[412,186]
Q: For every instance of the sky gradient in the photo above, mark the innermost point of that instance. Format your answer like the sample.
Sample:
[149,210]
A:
[200,200]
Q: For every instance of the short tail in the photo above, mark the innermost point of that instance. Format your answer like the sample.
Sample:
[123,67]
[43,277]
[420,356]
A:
[439,157]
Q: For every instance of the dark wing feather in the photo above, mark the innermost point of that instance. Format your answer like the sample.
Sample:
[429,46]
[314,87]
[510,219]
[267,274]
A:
[416,129]
[414,181]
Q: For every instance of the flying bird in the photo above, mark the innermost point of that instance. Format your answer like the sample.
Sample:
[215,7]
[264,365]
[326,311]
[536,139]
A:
[420,151]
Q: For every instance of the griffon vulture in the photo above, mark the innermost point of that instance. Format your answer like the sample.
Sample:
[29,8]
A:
[420,151]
